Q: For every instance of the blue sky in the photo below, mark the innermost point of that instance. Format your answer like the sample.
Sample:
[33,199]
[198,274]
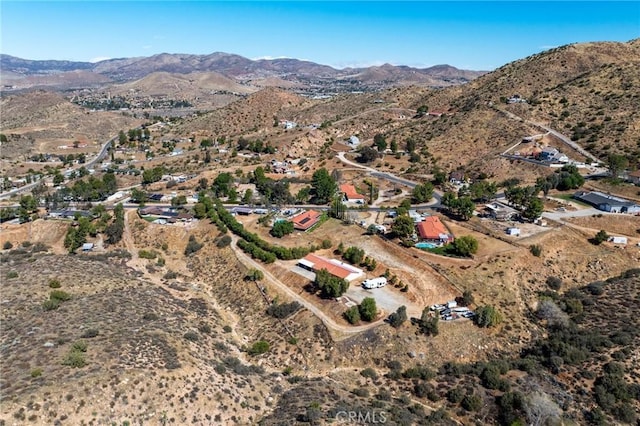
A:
[472,35]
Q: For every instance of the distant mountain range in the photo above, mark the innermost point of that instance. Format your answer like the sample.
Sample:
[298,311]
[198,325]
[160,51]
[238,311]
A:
[20,73]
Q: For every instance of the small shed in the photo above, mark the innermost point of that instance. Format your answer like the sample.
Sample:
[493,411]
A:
[87,247]
[513,232]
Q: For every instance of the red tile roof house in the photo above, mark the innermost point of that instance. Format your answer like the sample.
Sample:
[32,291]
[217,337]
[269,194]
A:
[432,229]
[351,195]
[335,267]
[306,220]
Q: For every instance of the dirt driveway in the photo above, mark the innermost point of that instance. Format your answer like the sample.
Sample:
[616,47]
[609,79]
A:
[387,299]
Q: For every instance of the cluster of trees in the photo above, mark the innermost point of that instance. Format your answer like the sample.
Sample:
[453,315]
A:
[481,191]
[257,146]
[367,154]
[329,285]
[564,179]
[525,198]
[428,323]
[250,243]
[273,191]
[77,234]
[222,186]
[487,316]
[357,256]
[281,228]
[152,175]
[422,193]
[93,188]
[365,311]
[115,229]
[462,207]
[323,186]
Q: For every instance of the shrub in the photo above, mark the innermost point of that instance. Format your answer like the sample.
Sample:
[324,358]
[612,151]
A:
[75,359]
[59,295]
[455,395]
[600,237]
[352,315]
[147,254]
[326,244]
[535,250]
[467,298]
[170,275]
[79,346]
[596,288]
[12,274]
[54,283]
[227,329]
[191,336]
[7,245]
[50,305]
[554,283]
[36,372]
[90,333]
[224,241]
[192,246]
[368,309]
[259,347]
[369,373]
[398,318]
[283,310]
[471,402]
[150,316]
[487,316]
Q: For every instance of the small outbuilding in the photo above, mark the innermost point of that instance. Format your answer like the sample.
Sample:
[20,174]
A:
[513,232]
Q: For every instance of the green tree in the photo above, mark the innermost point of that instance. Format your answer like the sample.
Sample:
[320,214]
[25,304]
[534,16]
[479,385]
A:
[352,315]
[57,178]
[281,228]
[422,110]
[380,142]
[465,245]
[258,348]
[323,186]
[534,209]
[403,227]
[122,138]
[367,154]
[601,237]
[247,196]
[330,285]
[465,208]
[616,164]
[368,309]
[487,316]
[138,196]
[397,318]
[255,275]
[428,324]
[393,146]
[422,193]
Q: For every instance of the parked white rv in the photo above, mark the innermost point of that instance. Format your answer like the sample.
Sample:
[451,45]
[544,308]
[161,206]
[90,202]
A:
[374,283]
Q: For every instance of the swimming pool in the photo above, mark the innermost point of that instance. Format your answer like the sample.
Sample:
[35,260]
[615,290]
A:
[425,245]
